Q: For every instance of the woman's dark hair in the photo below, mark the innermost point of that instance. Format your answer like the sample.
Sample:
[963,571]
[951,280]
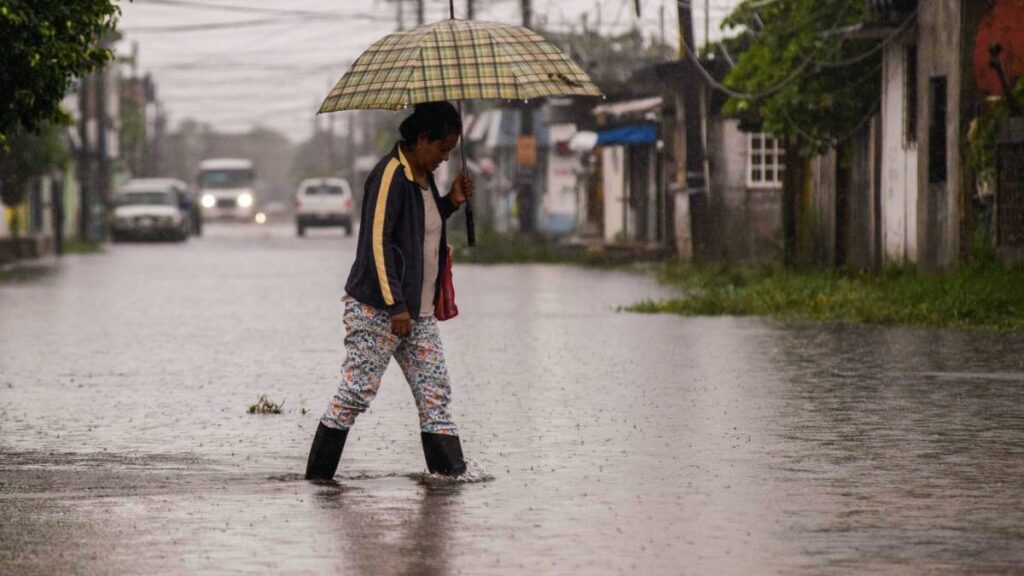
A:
[435,119]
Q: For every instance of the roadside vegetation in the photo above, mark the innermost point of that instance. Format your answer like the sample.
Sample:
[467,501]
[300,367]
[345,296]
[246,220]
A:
[23,273]
[494,248]
[979,295]
[75,246]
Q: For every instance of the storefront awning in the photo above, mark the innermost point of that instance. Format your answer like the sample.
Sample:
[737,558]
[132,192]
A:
[633,134]
[623,108]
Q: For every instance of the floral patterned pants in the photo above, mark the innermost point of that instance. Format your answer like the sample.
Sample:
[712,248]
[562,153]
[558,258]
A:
[369,346]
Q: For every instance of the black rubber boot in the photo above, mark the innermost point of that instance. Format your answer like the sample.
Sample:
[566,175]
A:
[444,454]
[325,453]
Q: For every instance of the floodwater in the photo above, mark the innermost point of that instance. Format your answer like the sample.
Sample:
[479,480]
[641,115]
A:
[601,442]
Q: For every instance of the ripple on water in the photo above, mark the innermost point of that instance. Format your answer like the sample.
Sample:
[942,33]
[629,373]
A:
[475,473]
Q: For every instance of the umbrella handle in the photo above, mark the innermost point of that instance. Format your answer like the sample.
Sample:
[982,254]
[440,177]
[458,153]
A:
[470,225]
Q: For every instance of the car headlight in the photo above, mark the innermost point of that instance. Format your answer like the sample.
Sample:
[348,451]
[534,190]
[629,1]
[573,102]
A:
[208,201]
[245,200]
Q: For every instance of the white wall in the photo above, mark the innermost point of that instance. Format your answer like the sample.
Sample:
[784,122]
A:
[613,171]
[899,164]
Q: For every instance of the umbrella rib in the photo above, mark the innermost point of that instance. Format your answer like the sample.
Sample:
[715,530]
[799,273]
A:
[495,51]
[458,63]
[444,69]
[476,61]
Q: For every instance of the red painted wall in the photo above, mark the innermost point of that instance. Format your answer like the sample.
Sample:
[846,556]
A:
[1004,24]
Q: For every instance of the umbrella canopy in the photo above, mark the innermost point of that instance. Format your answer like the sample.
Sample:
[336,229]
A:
[457,60]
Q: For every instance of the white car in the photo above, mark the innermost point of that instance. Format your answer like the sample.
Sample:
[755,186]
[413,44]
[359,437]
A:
[324,202]
[144,210]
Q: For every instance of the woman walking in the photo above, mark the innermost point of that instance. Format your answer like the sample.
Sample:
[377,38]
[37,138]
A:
[392,290]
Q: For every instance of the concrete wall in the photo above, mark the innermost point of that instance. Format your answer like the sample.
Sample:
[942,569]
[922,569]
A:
[938,205]
[745,223]
[899,163]
[861,220]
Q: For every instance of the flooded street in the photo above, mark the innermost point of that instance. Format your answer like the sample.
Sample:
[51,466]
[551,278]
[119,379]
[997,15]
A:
[602,442]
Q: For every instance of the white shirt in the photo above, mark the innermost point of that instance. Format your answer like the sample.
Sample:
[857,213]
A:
[432,225]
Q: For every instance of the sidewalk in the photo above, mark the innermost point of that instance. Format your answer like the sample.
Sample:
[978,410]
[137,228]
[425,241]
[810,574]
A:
[24,248]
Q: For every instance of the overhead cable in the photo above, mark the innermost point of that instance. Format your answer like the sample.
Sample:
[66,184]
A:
[796,73]
[835,141]
[874,49]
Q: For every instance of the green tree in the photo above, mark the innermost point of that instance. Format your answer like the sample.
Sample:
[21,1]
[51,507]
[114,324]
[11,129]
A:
[807,77]
[803,72]
[47,43]
[31,155]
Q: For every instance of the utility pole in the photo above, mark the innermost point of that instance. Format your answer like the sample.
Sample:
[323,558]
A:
[420,16]
[526,174]
[692,122]
[85,160]
[469,10]
[159,134]
[661,27]
[103,176]
[707,22]
[400,14]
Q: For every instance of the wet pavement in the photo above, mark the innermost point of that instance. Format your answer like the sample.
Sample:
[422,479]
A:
[602,442]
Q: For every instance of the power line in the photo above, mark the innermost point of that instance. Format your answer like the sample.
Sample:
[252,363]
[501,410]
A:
[867,54]
[236,8]
[793,76]
[281,17]
[206,27]
[835,141]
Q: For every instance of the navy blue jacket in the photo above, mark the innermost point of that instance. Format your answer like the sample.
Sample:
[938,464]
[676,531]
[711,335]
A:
[388,271]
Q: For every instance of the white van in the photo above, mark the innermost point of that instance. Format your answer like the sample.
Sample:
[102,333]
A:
[227,189]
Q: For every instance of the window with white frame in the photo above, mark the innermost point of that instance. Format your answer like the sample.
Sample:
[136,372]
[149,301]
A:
[765,161]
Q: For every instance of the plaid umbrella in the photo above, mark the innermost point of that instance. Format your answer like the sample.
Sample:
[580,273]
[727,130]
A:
[457,60]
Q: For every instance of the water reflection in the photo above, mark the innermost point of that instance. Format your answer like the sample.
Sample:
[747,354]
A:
[911,451]
[392,531]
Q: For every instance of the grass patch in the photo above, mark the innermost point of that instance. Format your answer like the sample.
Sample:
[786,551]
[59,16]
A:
[75,246]
[24,273]
[494,248]
[978,295]
[265,405]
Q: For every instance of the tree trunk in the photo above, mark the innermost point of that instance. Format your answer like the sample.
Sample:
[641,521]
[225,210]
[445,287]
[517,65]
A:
[15,240]
[792,183]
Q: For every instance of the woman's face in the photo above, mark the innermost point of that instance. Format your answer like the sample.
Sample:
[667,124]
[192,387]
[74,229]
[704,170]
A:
[430,153]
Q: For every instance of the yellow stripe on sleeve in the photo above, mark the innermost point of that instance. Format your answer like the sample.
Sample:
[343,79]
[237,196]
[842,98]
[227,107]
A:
[378,230]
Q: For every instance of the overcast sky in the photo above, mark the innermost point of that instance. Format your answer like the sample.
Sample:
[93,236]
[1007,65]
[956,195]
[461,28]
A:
[241,63]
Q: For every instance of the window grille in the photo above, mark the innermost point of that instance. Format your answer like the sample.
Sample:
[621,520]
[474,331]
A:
[765,161]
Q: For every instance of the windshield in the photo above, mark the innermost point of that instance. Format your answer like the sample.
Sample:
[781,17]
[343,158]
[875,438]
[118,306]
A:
[145,199]
[226,178]
[324,189]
